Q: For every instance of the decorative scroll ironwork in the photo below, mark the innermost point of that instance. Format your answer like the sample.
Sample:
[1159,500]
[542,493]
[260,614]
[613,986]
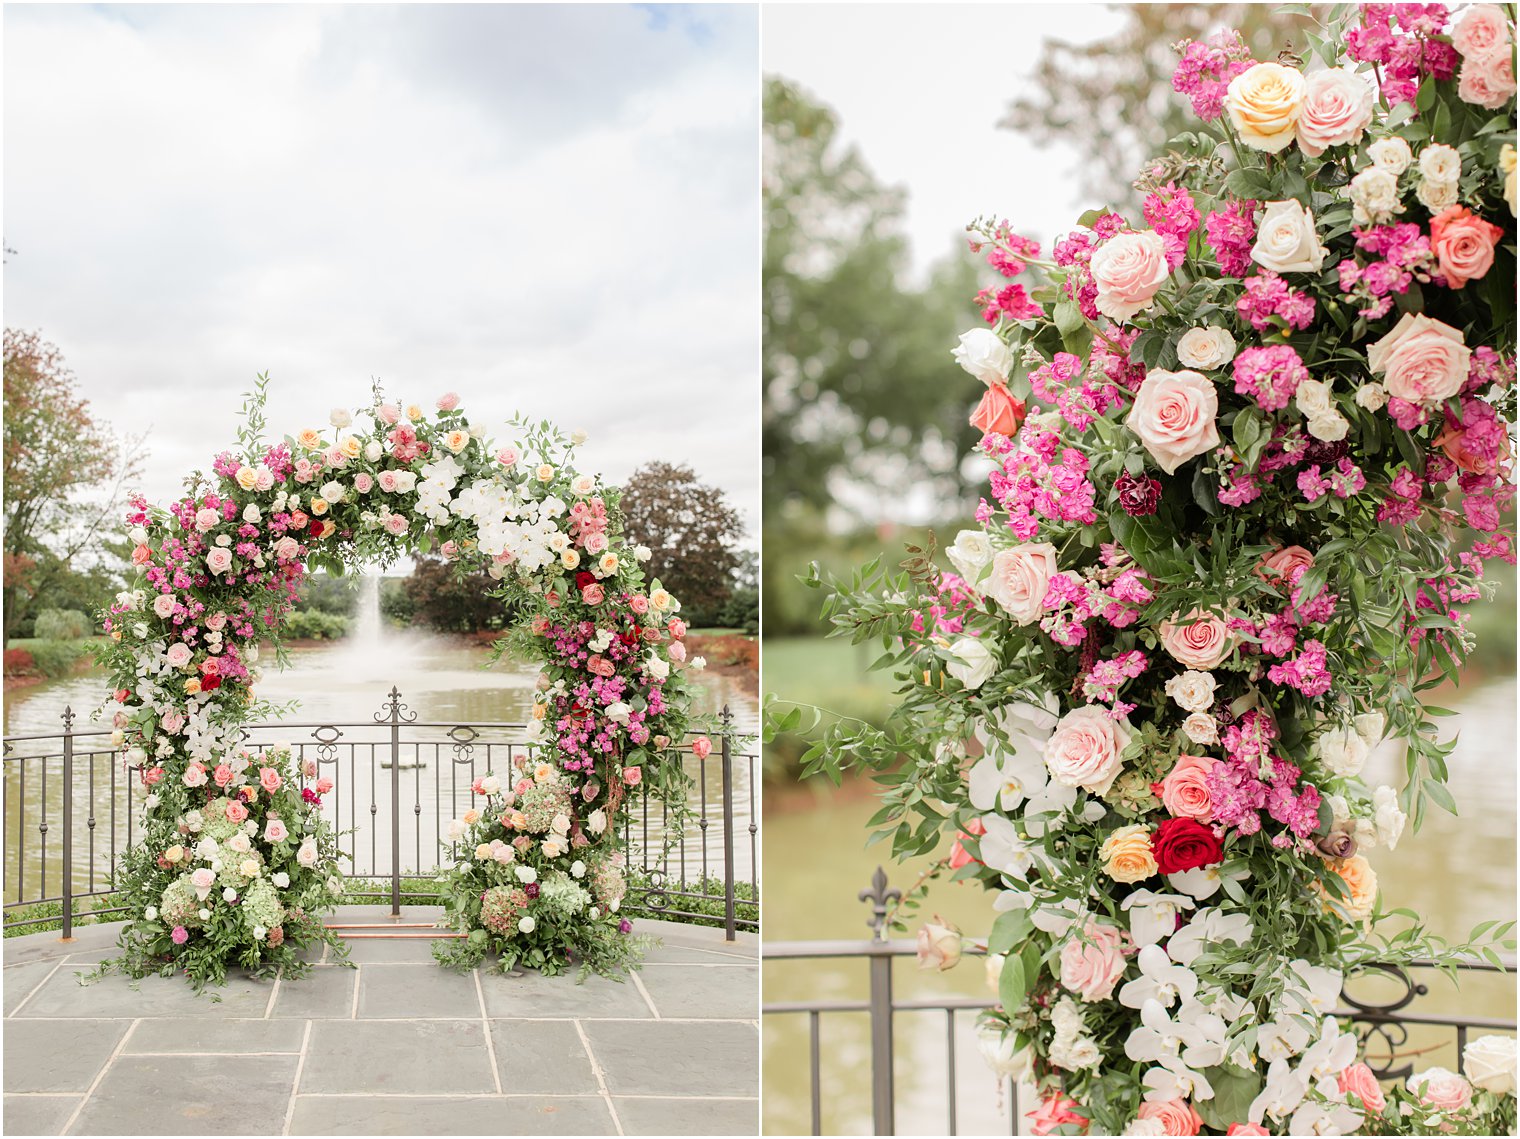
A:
[394,710]
[327,737]
[464,738]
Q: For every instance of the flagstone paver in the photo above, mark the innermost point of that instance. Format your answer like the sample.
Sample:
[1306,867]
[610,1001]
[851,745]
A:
[394,1046]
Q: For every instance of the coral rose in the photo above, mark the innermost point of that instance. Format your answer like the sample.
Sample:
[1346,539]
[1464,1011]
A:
[1092,962]
[1200,640]
[1360,1082]
[1264,103]
[1185,790]
[1176,1116]
[1174,416]
[1464,244]
[1084,750]
[1422,360]
[1278,566]
[1185,844]
[1126,854]
[1020,576]
[1055,1111]
[999,413]
[1128,269]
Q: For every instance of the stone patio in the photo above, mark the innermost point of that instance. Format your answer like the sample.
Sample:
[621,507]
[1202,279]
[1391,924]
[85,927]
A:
[395,1046]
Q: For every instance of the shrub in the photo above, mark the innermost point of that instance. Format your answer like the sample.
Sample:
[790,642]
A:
[63,625]
[315,625]
[19,662]
[55,658]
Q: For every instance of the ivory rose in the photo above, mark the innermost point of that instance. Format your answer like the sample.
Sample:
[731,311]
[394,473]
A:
[1093,961]
[1176,1116]
[1286,240]
[1084,750]
[178,655]
[1199,640]
[1128,269]
[1391,154]
[1174,417]
[1185,790]
[983,353]
[973,663]
[970,555]
[1336,110]
[1374,196]
[1019,578]
[1126,854]
[1193,691]
[1441,1089]
[1489,1062]
[1264,103]
[1463,244]
[1201,728]
[1421,360]
[1205,348]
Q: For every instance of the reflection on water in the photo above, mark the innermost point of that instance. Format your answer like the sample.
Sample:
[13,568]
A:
[1456,871]
[441,681]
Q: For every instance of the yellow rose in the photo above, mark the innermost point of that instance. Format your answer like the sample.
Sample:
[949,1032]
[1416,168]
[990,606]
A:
[540,711]
[174,853]
[660,599]
[483,851]
[351,447]
[413,412]
[192,686]
[456,441]
[311,439]
[246,477]
[1127,854]
[319,506]
[545,473]
[1361,883]
[1264,102]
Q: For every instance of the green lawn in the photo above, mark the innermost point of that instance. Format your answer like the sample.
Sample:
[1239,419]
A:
[829,673]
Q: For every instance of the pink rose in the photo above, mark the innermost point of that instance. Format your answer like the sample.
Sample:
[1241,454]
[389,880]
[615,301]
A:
[599,665]
[1464,244]
[1200,640]
[1443,1090]
[388,481]
[219,559]
[323,785]
[677,627]
[153,776]
[1482,30]
[1091,963]
[396,524]
[1185,790]
[263,479]
[363,482]
[1247,1129]
[677,651]
[222,775]
[1359,1080]
[211,666]
[203,879]
[448,401]
[163,605]
[236,812]
[593,594]
[1336,109]
[269,779]
[178,655]
[1174,416]
[1176,1116]
[508,456]
[639,603]
[701,747]
[1055,1110]
[141,555]
[1019,578]
[1422,360]
[206,519]
[633,776]
[274,830]
[1487,81]
[1280,564]
[180,935]
[287,549]
[216,621]
[388,413]
[1128,268]
[1084,749]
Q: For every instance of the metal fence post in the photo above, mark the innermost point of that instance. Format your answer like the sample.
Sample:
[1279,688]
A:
[883,1108]
[68,824]
[729,914]
[392,715]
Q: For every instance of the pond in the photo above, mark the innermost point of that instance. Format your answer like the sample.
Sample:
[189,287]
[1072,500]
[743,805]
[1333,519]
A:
[1456,871]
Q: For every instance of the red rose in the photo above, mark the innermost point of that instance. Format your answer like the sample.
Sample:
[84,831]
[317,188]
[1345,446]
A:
[210,682]
[584,579]
[1185,844]
[315,529]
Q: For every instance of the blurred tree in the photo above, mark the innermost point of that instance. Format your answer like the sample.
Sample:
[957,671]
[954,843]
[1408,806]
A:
[1112,99]
[856,411]
[691,530]
[64,473]
[448,599]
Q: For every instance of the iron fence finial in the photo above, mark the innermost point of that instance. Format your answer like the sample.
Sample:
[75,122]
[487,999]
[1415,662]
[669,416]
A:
[880,897]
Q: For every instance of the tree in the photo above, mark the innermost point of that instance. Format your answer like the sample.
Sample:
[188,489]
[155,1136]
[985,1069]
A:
[856,408]
[64,476]
[691,530]
[448,599]
[1112,99]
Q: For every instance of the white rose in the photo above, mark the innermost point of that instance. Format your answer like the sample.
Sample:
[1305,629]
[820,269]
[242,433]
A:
[138,535]
[1371,726]
[577,869]
[1329,428]
[526,875]
[281,879]
[596,822]
[1371,396]
[1193,691]
[697,664]
[251,513]
[1440,163]
[657,668]
[1342,750]
[970,555]
[1201,728]
[1391,154]
[1436,196]
[151,913]
[1286,241]
[973,663]
[333,492]
[1388,817]
[373,450]
[340,417]
[983,354]
[526,924]
[204,914]
[1205,348]
[1020,576]
[618,712]
[1084,751]
[229,895]
[1489,1062]
[1374,196]
[1001,1052]
[306,855]
[643,553]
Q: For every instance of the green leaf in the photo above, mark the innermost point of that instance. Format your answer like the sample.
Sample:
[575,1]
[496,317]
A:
[1009,930]
[1013,985]
[1233,1092]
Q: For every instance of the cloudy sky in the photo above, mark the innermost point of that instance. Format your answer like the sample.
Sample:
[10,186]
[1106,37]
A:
[547,209]
[920,88]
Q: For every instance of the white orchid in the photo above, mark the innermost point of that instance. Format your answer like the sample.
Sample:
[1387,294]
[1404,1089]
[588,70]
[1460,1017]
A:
[1153,916]
[1281,1039]
[1311,989]
[1195,1035]
[1003,849]
[1280,1096]
[1174,1079]
[1188,943]
[1159,980]
[1331,1054]
[1006,779]
[1325,1119]
[1204,881]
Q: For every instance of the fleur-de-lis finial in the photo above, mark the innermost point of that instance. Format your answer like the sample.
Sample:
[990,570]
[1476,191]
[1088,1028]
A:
[880,898]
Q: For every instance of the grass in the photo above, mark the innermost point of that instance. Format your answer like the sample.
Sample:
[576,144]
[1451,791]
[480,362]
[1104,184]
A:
[830,673]
[416,892]
[716,631]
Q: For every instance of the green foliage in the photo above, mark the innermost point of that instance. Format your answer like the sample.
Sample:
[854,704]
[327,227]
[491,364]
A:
[315,625]
[450,597]
[63,625]
[55,659]
[690,530]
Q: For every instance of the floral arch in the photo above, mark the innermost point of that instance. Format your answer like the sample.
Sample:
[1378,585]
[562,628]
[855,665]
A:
[236,862]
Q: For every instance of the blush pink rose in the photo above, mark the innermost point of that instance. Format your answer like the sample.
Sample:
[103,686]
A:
[287,549]
[677,627]
[219,559]
[1091,964]
[1176,1116]
[1084,750]
[1174,416]
[388,413]
[1200,640]
[178,655]
[633,776]
[1444,1090]
[222,775]
[1128,269]
[236,812]
[163,605]
[677,651]
[1487,81]
[701,747]
[1280,564]
[269,779]
[323,785]
[216,621]
[363,483]
[593,594]
[639,603]
[1359,1080]
[448,401]
[1019,578]
[1336,109]
[387,481]
[1464,244]
[274,831]
[1185,790]
[1247,1129]
[1482,30]
[1421,360]
[1055,1110]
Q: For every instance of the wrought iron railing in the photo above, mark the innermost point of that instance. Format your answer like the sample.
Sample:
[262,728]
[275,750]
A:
[72,808]
[1382,1024]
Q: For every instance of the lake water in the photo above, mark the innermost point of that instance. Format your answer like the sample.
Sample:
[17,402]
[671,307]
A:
[442,681]
[1456,871]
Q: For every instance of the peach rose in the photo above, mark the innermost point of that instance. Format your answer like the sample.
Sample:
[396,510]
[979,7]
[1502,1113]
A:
[1176,1116]
[1020,576]
[1092,962]
[1359,1080]
[1128,268]
[1200,640]
[1422,360]
[1482,30]
[1336,110]
[1264,103]
[1443,1090]
[1173,416]
[269,779]
[1361,881]
[1084,750]
[1278,566]
[1126,854]
[1185,790]
[1487,81]
[1463,244]
[1453,441]
[999,413]
[236,812]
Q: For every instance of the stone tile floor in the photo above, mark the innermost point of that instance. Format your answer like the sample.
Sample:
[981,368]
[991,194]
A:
[395,1046]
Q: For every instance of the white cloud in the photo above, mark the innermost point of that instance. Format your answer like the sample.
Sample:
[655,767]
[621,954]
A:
[551,210]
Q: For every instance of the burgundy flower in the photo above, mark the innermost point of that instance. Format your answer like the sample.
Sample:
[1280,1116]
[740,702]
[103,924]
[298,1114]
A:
[1138,496]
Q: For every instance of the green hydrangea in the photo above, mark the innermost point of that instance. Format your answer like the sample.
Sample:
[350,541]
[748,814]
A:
[231,873]
[541,802]
[261,905]
[608,883]
[215,823]
[179,905]
[562,895]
